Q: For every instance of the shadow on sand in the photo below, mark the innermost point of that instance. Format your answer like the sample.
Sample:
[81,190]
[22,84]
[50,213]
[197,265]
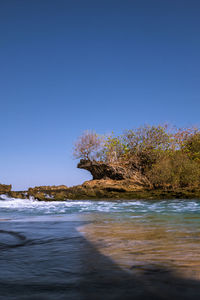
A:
[67,266]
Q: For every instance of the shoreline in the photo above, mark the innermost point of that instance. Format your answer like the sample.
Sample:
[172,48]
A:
[73,194]
[102,190]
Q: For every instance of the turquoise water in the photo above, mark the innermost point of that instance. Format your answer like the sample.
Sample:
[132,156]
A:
[18,208]
[99,249]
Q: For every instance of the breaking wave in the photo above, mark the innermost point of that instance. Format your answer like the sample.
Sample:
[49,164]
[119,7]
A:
[14,207]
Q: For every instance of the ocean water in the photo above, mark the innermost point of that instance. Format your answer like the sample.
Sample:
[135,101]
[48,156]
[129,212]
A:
[135,249]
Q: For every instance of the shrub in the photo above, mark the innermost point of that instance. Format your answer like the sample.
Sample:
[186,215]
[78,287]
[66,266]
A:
[192,147]
[174,171]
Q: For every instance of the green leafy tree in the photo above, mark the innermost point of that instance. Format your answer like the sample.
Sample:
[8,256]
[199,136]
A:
[191,146]
[146,144]
[113,149]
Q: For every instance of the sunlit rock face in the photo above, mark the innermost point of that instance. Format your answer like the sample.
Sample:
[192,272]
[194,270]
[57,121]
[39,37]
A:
[49,188]
[48,192]
[5,188]
[101,170]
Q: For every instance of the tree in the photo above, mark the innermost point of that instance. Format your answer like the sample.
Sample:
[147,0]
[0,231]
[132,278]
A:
[145,144]
[192,146]
[113,149]
[181,136]
[87,146]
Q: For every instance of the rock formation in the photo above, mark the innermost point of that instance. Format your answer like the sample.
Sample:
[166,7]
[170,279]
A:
[101,170]
[5,188]
[47,188]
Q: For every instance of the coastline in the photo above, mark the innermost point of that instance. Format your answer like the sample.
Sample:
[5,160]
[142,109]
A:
[104,189]
[80,193]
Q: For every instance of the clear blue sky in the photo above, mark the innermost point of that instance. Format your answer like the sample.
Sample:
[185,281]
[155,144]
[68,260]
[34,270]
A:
[67,66]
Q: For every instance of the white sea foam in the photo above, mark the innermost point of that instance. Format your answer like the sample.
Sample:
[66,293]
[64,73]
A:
[12,206]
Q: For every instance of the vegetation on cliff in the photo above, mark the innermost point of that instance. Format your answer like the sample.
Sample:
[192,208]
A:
[150,162]
[159,156]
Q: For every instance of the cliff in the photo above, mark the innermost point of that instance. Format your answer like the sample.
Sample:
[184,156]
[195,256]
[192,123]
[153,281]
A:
[117,172]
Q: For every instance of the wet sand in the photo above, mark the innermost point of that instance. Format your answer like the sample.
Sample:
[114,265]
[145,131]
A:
[141,247]
[105,259]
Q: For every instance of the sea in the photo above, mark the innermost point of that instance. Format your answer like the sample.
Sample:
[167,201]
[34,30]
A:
[123,249]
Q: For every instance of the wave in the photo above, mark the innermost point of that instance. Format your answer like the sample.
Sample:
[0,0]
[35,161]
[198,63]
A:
[30,206]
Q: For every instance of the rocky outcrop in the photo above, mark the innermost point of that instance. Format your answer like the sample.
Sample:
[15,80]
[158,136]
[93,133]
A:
[109,185]
[104,189]
[48,193]
[5,188]
[46,188]
[101,170]
[93,189]
[96,189]
[112,189]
